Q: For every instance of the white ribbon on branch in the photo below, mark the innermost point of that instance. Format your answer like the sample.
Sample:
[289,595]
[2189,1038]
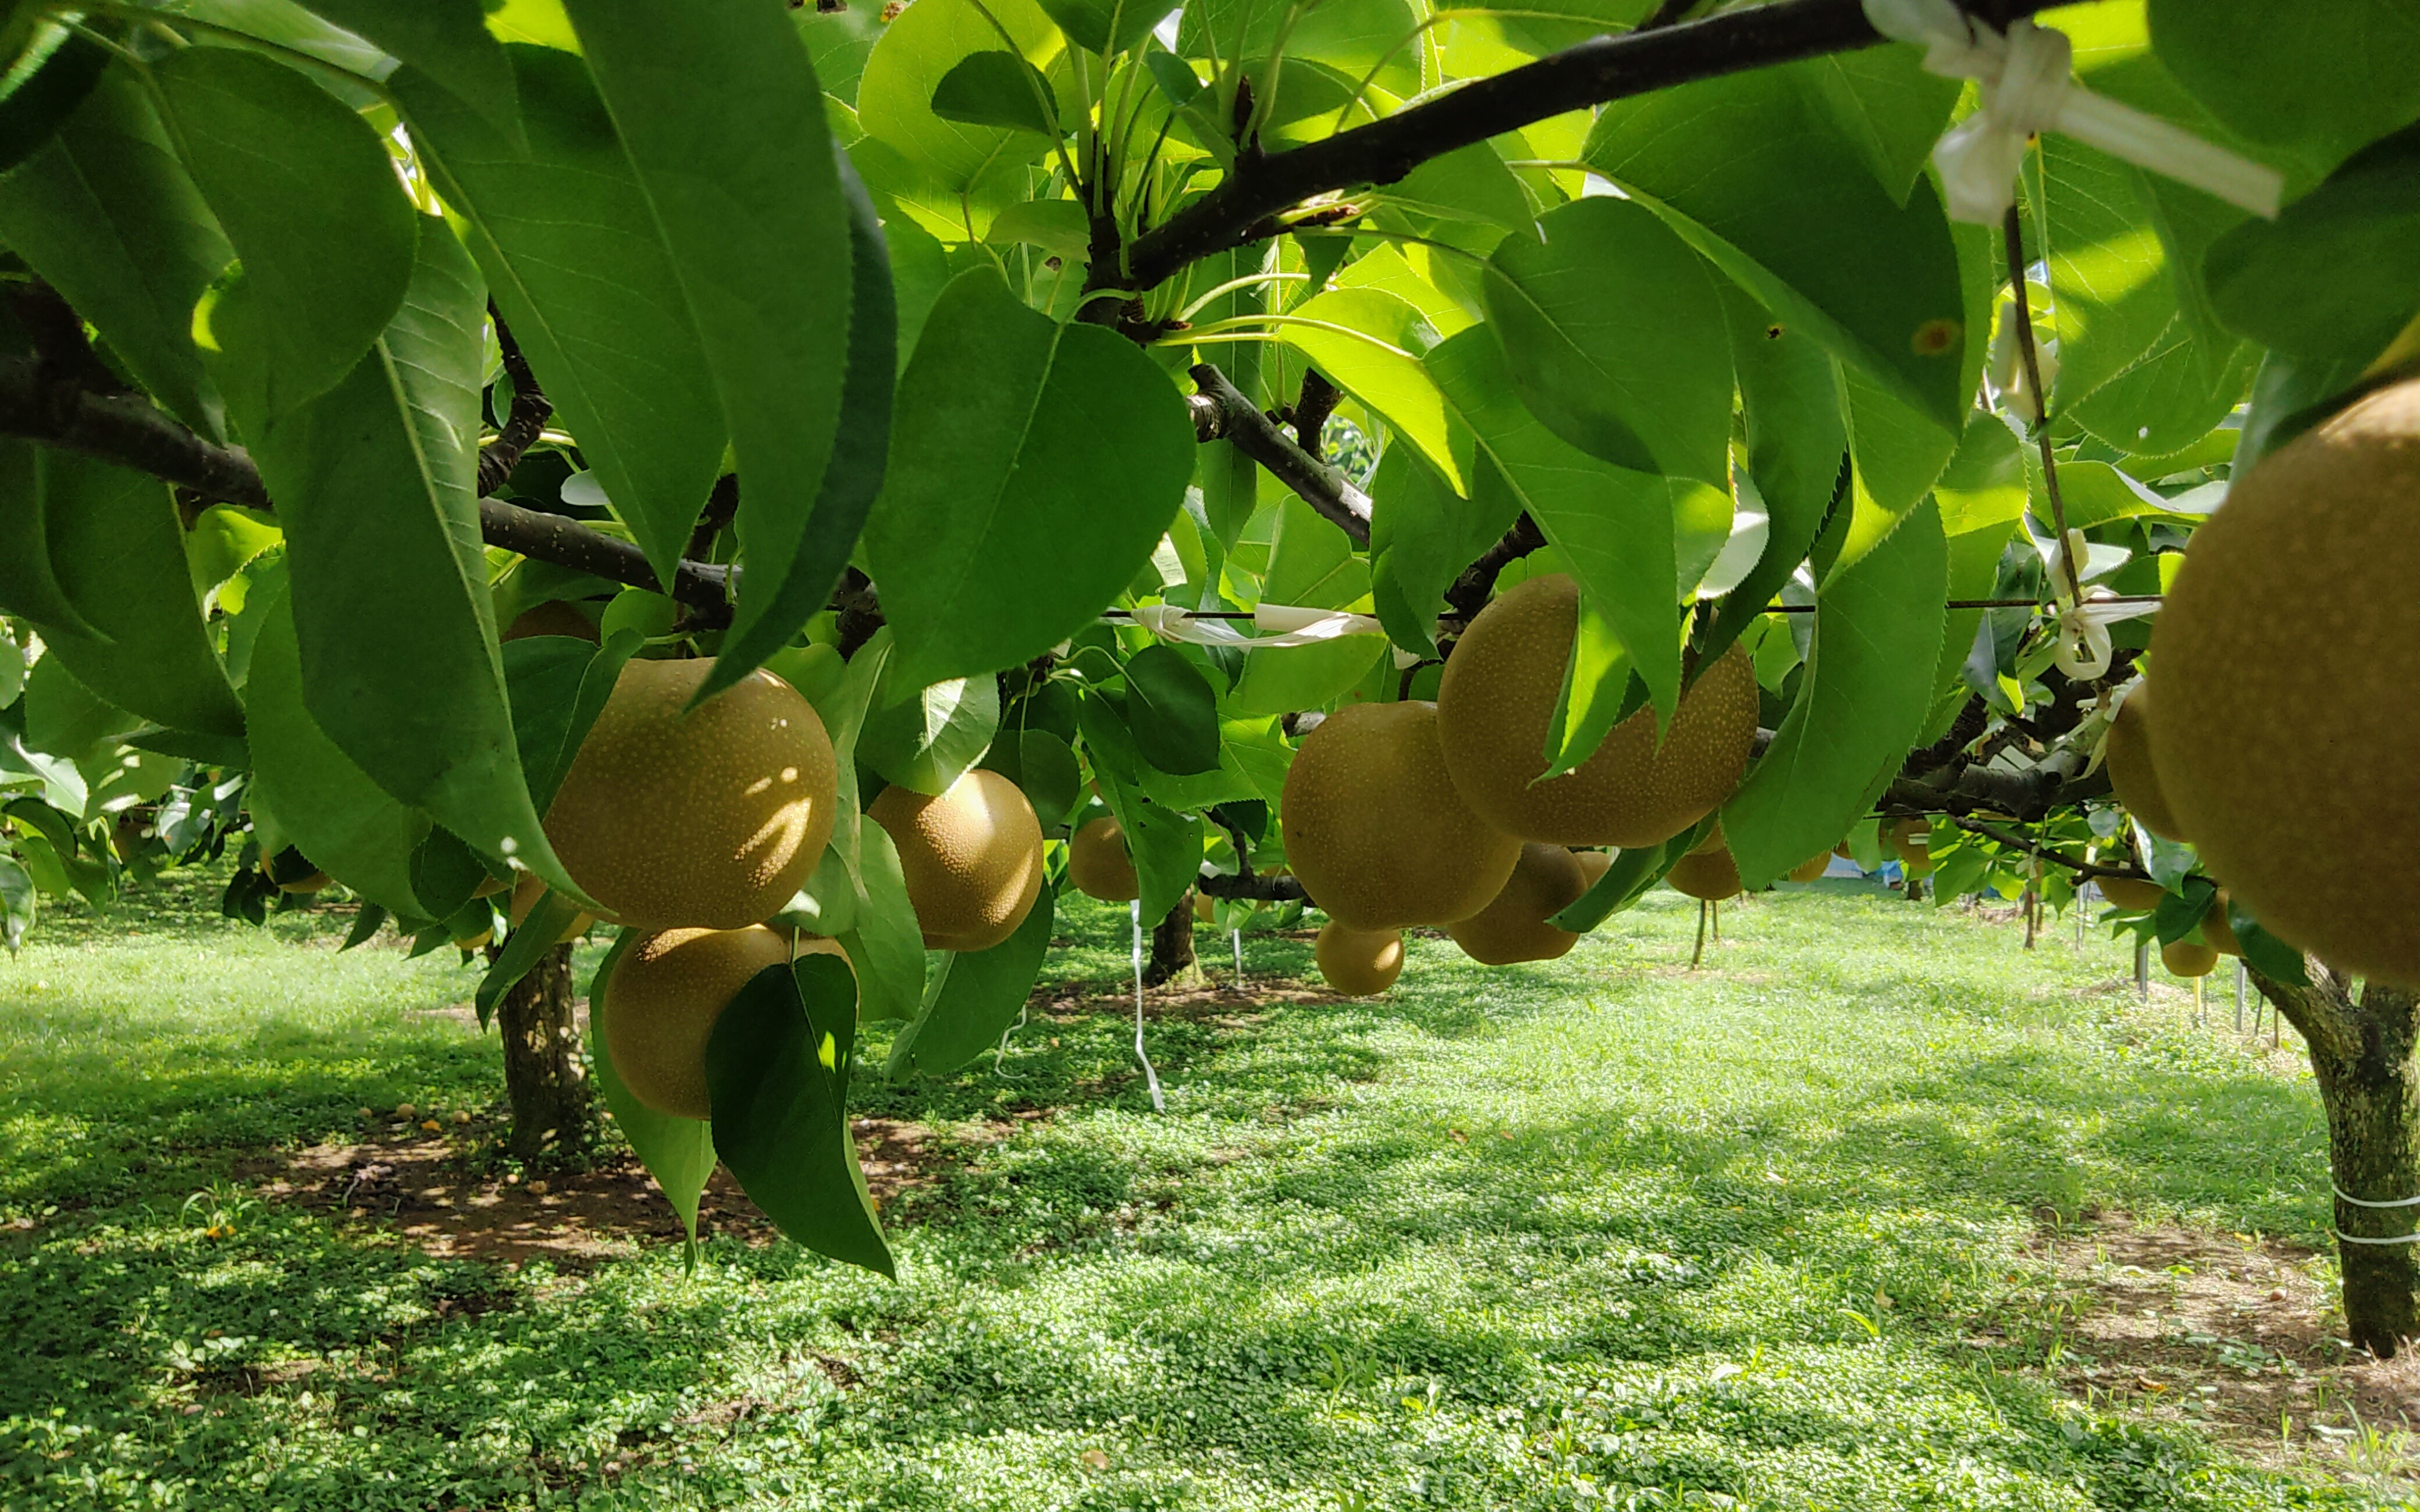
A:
[2027,87]
[1285,625]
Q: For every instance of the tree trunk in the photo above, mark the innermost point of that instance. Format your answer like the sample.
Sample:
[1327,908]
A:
[542,1071]
[2362,1056]
[1172,944]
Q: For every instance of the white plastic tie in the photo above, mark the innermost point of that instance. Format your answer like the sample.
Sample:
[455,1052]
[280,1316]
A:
[1283,626]
[2343,1196]
[2027,87]
[2084,650]
[1159,1101]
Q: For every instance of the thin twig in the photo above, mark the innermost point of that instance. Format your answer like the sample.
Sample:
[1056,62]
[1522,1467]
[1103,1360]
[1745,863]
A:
[1221,411]
[530,411]
[2012,231]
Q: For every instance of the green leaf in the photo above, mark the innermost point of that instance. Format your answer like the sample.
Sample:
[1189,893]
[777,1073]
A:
[1883,100]
[1627,880]
[1867,687]
[997,88]
[2265,952]
[65,718]
[852,478]
[1369,343]
[2337,274]
[1796,441]
[1599,692]
[1613,526]
[1044,768]
[375,482]
[1980,498]
[118,556]
[524,948]
[1172,711]
[1423,535]
[65,68]
[28,587]
[557,685]
[973,999]
[1005,523]
[1642,381]
[1165,846]
[109,218]
[926,737]
[1056,225]
[1782,200]
[916,51]
[565,235]
[886,946]
[686,89]
[445,41]
[1312,565]
[2321,81]
[1469,183]
[677,1152]
[1105,27]
[777,1075]
[310,202]
[223,540]
[323,803]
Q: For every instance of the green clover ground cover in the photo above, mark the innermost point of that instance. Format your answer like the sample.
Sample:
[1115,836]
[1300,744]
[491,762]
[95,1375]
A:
[1601,1233]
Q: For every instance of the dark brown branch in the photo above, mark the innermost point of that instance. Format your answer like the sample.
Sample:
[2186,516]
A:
[1221,413]
[129,431]
[2085,871]
[1246,205]
[1281,888]
[2012,233]
[1963,730]
[2023,796]
[1471,591]
[59,340]
[1311,410]
[531,409]
[722,506]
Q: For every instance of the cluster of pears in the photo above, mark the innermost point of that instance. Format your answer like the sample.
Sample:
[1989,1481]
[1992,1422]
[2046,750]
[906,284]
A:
[696,824]
[2282,735]
[2183,956]
[1417,813]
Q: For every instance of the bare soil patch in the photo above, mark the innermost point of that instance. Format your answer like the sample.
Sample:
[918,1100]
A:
[2239,1336]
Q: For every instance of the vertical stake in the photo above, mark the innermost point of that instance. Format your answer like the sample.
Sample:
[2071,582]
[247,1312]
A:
[1699,953]
[2238,996]
[2142,968]
[1237,935]
[1158,1104]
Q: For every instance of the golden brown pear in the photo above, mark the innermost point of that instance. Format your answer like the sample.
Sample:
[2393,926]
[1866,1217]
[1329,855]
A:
[1912,840]
[1707,872]
[2217,930]
[1545,881]
[553,617]
[661,1002]
[972,857]
[526,892]
[1373,826]
[2184,958]
[1811,868]
[1098,865]
[1204,909]
[1358,963]
[310,882]
[2132,894]
[2127,754]
[1594,864]
[710,819]
[1497,696]
[2288,653]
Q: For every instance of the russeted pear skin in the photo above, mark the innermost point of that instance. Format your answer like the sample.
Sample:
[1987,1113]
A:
[2285,656]
[1912,840]
[1594,864]
[2217,930]
[1375,829]
[1547,880]
[1709,875]
[526,892]
[1098,865]
[664,995]
[2132,894]
[1497,695]
[972,857]
[1358,963]
[2184,957]
[1811,868]
[2127,754]
[711,818]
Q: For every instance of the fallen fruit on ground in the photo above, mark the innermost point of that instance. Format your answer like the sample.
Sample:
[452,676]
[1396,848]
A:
[1098,865]
[971,856]
[1547,880]
[2284,655]
[710,817]
[1498,697]
[1358,963]
[1375,829]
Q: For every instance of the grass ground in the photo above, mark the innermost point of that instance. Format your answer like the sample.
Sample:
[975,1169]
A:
[1877,1210]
